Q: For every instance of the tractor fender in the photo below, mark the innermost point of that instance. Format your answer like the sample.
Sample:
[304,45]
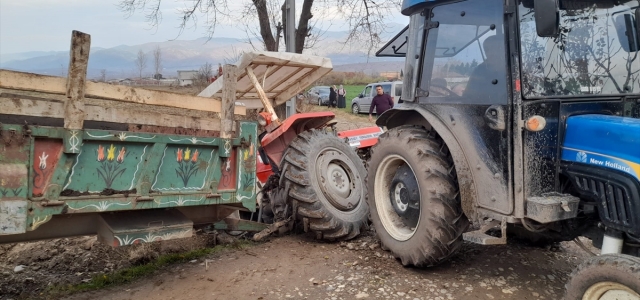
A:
[276,142]
[420,116]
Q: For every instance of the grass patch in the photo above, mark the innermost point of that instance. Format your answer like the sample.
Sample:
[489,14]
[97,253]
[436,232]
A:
[352,92]
[135,272]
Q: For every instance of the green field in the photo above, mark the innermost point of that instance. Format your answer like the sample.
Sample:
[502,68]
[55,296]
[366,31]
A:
[352,92]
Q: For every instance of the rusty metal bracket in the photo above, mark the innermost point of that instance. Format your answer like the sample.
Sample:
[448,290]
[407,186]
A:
[244,143]
[144,198]
[51,203]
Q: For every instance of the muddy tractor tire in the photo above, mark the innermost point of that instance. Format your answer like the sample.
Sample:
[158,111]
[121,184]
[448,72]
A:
[413,196]
[326,180]
[609,276]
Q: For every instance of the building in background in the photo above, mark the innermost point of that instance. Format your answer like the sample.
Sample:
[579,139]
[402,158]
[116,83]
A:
[186,77]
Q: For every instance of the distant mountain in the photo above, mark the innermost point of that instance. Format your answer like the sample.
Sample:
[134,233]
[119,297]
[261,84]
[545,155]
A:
[185,55]
[372,67]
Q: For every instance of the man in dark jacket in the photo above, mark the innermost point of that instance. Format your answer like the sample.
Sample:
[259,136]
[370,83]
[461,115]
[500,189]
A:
[382,102]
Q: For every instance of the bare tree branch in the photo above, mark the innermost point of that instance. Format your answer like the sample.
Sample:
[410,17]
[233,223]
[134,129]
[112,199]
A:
[141,62]
[365,18]
[157,62]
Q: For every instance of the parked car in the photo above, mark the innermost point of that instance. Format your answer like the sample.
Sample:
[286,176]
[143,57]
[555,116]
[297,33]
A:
[319,95]
[362,103]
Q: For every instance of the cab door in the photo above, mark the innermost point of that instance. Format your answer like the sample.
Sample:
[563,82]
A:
[464,82]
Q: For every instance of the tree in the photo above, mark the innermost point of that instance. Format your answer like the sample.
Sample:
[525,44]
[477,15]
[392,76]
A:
[103,75]
[365,18]
[157,62]
[203,76]
[141,62]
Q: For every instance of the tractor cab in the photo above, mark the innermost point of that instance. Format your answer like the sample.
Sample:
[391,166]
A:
[525,116]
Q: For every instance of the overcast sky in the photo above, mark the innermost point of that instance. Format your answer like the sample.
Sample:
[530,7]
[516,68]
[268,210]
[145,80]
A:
[46,25]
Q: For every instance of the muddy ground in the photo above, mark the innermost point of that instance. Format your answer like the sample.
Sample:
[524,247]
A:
[298,267]
[293,266]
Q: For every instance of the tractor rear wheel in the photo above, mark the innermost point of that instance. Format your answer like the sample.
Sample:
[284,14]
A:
[326,179]
[605,277]
[413,195]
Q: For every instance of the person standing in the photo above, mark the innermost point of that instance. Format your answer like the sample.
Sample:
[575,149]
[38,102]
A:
[382,102]
[342,95]
[332,97]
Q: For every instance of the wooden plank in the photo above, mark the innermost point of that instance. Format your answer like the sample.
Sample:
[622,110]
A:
[263,97]
[56,85]
[228,100]
[55,109]
[78,62]
[299,85]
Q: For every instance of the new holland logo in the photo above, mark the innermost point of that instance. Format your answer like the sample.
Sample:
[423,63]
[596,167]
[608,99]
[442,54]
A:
[581,157]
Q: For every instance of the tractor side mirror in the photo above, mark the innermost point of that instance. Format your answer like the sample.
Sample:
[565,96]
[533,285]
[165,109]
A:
[627,29]
[547,17]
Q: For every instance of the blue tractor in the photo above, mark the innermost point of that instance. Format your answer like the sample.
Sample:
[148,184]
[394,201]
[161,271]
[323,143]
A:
[517,117]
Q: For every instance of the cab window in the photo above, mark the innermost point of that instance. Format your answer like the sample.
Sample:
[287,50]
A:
[593,55]
[465,56]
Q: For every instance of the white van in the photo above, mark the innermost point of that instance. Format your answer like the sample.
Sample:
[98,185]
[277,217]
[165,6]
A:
[362,103]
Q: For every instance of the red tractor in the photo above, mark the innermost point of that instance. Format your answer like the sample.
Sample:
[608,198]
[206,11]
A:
[314,176]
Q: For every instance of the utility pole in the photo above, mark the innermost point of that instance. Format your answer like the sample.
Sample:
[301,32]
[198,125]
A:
[290,34]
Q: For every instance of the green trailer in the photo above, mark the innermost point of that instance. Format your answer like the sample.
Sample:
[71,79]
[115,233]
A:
[128,164]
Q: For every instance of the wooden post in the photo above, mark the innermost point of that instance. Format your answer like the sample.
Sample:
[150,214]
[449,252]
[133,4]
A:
[228,105]
[79,59]
[263,97]
[74,112]
[228,100]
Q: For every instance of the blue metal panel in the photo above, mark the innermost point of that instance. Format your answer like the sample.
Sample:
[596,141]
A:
[604,141]
[410,6]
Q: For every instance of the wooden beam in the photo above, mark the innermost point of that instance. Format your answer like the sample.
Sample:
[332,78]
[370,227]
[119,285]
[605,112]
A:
[57,85]
[298,85]
[242,93]
[263,97]
[29,106]
[78,62]
[228,100]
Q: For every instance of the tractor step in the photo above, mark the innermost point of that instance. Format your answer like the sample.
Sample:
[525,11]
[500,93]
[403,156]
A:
[481,237]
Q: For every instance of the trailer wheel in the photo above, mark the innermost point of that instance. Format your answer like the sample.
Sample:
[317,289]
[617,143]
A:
[419,218]
[609,276]
[326,179]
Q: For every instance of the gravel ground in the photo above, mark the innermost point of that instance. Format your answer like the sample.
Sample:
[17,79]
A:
[298,267]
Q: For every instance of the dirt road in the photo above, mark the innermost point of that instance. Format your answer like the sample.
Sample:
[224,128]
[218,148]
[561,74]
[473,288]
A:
[299,267]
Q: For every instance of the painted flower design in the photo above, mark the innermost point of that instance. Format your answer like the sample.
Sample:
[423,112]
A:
[100,153]
[111,153]
[121,154]
[187,164]
[179,155]
[43,161]
[194,158]
[111,166]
